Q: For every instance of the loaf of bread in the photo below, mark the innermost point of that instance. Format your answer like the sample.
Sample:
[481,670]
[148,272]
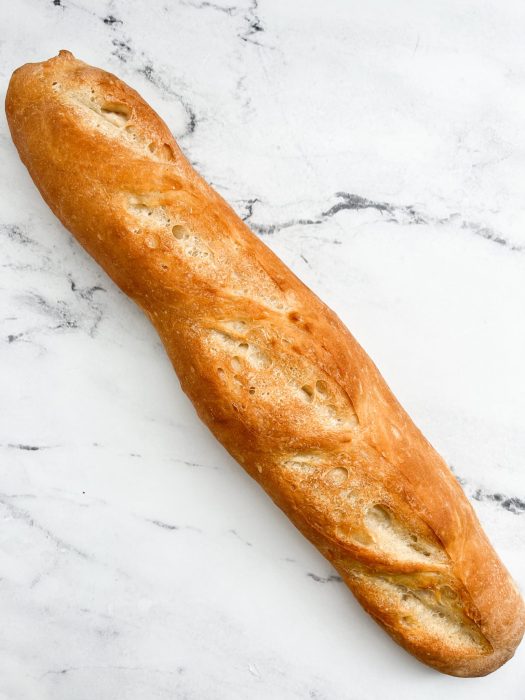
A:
[270,369]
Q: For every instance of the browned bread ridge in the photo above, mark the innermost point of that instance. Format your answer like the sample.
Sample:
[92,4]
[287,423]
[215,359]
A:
[270,369]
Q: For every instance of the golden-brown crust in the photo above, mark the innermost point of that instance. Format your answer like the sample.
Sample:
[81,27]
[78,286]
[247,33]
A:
[270,369]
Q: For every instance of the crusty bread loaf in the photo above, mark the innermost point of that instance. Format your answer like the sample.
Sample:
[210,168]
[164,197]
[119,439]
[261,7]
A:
[269,368]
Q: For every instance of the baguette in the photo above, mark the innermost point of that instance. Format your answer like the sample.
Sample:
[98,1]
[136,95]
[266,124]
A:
[270,369]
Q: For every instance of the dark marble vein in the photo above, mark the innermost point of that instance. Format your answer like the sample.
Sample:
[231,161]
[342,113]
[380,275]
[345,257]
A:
[27,448]
[355,202]
[163,525]
[139,62]
[332,578]
[111,20]
[26,517]
[16,234]
[170,526]
[82,309]
[241,93]
[85,292]
[59,311]
[152,76]
[227,10]
[62,314]
[488,234]
[122,50]
[347,201]
[194,464]
[141,669]
[248,204]
[252,25]
[268,229]
[512,504]
[394,213]
[236,534]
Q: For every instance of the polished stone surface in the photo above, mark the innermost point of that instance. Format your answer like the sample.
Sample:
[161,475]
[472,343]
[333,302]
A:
[379,149]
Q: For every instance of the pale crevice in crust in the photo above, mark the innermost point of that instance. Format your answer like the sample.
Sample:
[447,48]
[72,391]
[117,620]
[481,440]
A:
[246,354]
[113,119]
[422,613]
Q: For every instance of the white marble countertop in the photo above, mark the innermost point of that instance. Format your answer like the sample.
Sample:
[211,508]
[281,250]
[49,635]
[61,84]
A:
[379,148]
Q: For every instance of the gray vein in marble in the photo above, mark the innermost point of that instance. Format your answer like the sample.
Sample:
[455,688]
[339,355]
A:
[170,526]
[15,234]
[236,534]
[332,578]
[249,15]
[141,64]
[228,10]
[159,82]
[512,504]
[23,515]
[31,496]
[193,464]
[122,50]
[136,455]
[397,214]
[254,25]
[28,448]
[316,695]
[83,311]
[110,20]
[63,315]
[143,669]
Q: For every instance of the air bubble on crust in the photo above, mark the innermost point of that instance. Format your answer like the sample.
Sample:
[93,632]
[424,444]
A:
[191,245]
[162,152]
[321,387]
[130,131]
[117,113]
[337,476]
[307,393]
[152,241]
[180,232]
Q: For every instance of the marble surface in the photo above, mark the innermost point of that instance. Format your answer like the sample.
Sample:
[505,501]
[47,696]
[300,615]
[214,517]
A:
[379,149]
